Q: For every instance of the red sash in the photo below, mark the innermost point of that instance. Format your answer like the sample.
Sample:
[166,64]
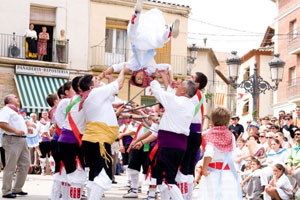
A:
[151,156]
[57,129]
[135,136]
[74,128]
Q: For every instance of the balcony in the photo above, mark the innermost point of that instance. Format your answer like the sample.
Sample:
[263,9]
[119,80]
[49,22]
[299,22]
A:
[294,42]
[13,51]
[101,57]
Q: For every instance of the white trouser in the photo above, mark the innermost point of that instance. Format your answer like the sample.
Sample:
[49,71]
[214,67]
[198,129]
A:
[101,183]
[134,177]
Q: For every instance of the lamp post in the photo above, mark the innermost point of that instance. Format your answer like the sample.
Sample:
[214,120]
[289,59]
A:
[255,85]
[191,59]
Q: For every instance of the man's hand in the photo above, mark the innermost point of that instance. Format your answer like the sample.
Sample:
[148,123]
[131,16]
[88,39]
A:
[120,110]
[205,172]
[19,133]
[138,146]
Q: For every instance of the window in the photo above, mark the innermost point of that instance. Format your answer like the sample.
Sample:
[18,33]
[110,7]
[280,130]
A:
[115,41]
[247,73]
[292,76]
[293,29]
[246,107]
[163,55]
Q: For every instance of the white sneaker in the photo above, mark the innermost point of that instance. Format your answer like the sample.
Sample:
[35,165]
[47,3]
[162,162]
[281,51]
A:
[132,193]
[138,6]
[175,28]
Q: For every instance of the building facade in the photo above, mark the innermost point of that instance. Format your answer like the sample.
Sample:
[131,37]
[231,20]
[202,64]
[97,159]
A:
[287,45]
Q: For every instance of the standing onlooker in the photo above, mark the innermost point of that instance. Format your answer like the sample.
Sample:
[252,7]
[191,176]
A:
[297,118]
[236,127]
[30,43]
[115,149]
[42,43]
[16,149]
[45,145]
[61,46]
[2,152]
[33,138]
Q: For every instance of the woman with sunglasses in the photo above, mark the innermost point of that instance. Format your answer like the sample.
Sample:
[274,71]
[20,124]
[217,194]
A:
[289,128]
[284,144]
[275,155]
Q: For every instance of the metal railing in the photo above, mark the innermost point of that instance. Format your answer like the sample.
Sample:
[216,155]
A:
[294,40]
[104,57]
[13,46]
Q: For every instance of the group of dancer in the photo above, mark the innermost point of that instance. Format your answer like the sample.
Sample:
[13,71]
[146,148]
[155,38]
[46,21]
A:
[164,140]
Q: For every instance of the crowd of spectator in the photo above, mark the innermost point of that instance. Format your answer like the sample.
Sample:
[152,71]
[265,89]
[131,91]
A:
[268,157]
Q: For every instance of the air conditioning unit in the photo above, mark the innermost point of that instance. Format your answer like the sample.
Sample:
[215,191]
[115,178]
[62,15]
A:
[13,51]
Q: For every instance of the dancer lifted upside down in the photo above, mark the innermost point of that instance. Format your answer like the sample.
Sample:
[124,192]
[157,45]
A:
[146,32]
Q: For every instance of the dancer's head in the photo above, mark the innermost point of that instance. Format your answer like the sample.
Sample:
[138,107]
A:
[52,100]
[220,116]
[68,90]
[186,88]
[200,80]
[140,78]
[88,82]
[75,84]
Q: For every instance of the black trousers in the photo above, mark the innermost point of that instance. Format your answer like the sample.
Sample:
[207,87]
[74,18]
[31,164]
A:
[190,156]
[45,148]
[69,152]
[55,151]
[125,156]
[93,159]
[168,162]
[138,159]
[2,151]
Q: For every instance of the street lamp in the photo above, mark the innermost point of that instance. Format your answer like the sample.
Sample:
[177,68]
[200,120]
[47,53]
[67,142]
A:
[193,56]
[255,83]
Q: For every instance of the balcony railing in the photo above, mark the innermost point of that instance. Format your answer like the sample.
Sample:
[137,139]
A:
[101,57]
[13,46]
[293,87]
[294,42]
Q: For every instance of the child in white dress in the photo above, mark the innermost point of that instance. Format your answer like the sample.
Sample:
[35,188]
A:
[220,179]
[146,32]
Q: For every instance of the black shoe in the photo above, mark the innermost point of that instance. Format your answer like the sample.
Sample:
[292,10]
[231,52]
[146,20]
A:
[9,196]
[114,182]
[20,193]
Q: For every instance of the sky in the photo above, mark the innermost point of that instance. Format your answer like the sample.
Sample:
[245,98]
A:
[250,17]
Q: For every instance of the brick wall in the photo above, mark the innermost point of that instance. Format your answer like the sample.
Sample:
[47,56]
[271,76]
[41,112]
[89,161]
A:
[283,41]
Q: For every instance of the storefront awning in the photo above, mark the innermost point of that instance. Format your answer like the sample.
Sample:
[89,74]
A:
[33,91]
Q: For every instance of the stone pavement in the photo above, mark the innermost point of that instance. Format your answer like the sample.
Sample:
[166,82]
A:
[39,188]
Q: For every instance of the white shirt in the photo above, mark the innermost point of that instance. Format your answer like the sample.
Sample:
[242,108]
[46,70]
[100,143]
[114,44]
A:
[98,105]
[178,113]
[283,182]
[154,129]
[30,33]
[277,158]
[197,119]
[45,127]
[13,119]
[59,116]
[77,116]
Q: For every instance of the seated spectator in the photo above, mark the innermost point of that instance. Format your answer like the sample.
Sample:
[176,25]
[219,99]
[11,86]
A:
[269,136]
[262,139]
[275,129]
[241,153]
[265,122]
[283,143]
[280,186]
[275,155]
[254,128]
[256,150]
[30,43]
[293,162]
[288,128]
[297,117]
[251,185]
[274,121]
